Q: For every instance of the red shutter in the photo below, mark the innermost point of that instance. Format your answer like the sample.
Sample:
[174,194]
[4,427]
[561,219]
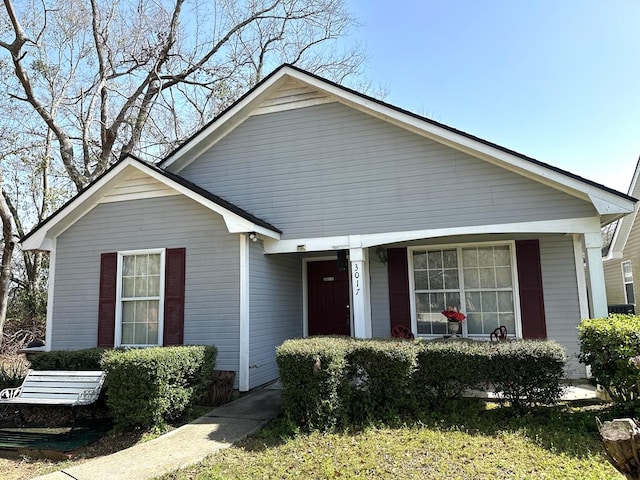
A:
[530,282]
[174,296]
[107,300]
[397,270]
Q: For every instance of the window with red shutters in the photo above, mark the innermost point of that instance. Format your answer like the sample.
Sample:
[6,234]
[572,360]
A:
[532,315]
[173,301]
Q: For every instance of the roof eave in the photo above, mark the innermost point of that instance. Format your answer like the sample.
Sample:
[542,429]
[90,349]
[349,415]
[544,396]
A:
[42,236]
[608,201]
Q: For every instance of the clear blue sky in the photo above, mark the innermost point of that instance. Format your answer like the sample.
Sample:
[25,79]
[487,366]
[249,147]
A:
[557,80]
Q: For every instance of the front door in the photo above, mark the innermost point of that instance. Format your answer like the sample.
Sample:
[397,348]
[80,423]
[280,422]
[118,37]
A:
[328,297]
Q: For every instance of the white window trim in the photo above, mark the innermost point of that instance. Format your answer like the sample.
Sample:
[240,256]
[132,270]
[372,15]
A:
[624,281]
[118,326]
[449,246]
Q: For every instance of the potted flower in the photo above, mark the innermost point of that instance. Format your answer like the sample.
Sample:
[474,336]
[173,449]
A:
[454,318]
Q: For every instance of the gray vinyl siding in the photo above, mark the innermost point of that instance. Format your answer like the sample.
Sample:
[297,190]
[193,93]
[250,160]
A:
[212,270]
[275,309]
[613,281]
[561,300]
[380,316]
[332,170]
[613,269]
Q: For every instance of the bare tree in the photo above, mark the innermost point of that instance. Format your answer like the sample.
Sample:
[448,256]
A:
[107,78]
[87,82]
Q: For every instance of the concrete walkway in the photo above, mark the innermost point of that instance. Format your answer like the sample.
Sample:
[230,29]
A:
[184,446]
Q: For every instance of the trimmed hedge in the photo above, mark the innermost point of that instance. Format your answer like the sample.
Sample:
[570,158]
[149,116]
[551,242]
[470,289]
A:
[147,387]
[381,373]
[315,381]
[527,372]
[87,359]
[337,381]
[607,345]
[448,368]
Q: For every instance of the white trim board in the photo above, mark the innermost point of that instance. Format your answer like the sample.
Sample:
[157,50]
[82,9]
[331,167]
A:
[87,200]
[577,225]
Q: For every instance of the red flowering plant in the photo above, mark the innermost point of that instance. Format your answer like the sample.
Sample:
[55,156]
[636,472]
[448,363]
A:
[453,315]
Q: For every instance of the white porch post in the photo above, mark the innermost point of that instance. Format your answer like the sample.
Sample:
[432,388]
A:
[48,332]
[243,361]
[595,275]
[360,292]
[583,296]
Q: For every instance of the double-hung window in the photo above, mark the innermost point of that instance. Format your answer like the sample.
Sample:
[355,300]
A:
[140,295]
[627,278]
[479,280]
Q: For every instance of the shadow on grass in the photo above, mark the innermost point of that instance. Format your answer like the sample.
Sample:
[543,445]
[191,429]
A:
[565,428]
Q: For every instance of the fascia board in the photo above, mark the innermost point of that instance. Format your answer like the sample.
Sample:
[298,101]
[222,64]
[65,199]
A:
[234,222]
[83,203]
[562,226]
[623,229]
[41,239]
[606,202]
[222,125]
[610,204]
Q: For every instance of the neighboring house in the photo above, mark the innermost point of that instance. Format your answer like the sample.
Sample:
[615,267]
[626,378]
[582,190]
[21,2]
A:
[307,208]
[622,258]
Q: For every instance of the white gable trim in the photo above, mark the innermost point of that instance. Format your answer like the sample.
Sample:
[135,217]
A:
[42,239]
[606,203]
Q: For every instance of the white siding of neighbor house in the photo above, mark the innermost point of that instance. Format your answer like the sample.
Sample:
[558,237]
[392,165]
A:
[275,309]
[212,270]
[331,170]
[614,281]
[561,303]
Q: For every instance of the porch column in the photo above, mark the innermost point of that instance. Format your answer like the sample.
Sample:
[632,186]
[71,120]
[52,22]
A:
[360,292]
[595,275]
[583,296]
[243,361]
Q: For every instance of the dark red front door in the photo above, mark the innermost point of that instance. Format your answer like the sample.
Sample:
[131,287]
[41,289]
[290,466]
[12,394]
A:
[328,297]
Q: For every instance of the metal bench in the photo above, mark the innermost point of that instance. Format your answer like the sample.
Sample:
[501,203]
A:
[55,387]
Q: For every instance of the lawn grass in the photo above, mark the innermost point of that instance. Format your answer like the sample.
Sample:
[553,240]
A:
[469,441]
[465,443]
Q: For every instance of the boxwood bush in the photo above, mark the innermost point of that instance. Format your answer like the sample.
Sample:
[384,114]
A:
[527,372]
[607,345]
[337,381]
[315,380]
[87,359]
[381,373]
[148,387]
[448,368]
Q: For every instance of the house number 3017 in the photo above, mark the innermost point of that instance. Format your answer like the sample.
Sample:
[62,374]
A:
[356,278]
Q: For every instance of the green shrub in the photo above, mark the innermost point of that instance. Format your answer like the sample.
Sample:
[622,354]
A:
[87,359]
[448,368]
[148,387]
[335,382]
[315,381]
[381,373]
[607,345]
[527,372]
